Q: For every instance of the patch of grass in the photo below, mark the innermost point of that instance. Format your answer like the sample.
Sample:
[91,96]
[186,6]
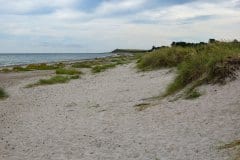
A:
[50,81]
[211,63]
[3,93]
[6,70]
[85,64]
[164,57]
[101,68]
[43,66]
[54,80]
[20,69]
[193,94]
[67,71]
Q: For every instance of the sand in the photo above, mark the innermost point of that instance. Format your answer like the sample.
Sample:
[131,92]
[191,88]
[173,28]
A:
[94,118]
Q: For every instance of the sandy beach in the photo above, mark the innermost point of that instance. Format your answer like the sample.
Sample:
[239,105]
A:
[94,118]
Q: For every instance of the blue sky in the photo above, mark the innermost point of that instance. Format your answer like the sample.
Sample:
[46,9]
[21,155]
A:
[103,25]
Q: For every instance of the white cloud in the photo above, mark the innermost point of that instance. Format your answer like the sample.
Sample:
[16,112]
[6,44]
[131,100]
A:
[25,6]
[109,7]
[96,32]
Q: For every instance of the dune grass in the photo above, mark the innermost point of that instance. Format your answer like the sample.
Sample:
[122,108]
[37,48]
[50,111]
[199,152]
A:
[32,67]
[101,68]
[68,71]
[3,94]
[211,63]
[58,79]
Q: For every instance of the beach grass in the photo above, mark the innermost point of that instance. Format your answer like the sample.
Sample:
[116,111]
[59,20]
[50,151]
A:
[101,68]
[32,67]
[3,93]
[58,79]
[42,66]
[210,63]
[68,71]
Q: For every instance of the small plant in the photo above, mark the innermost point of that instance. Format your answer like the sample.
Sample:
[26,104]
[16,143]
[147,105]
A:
[50,81]
[3,93]
[67,71]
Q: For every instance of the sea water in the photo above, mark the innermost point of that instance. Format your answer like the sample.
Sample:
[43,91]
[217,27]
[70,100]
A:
[29,58]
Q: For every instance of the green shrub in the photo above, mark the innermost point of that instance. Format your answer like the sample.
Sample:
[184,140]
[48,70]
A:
[3,93]
[67,71]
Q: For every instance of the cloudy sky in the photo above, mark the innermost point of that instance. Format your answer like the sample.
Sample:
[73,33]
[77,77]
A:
[103,25]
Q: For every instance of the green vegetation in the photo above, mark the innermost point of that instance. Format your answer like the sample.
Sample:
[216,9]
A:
[3,94]
[20,69]
[67,71]
[101,68]
[208,63]
[6,70]
[42,66]
[193,94]
[165,57]
[53,80]
[84,64]
[32,67]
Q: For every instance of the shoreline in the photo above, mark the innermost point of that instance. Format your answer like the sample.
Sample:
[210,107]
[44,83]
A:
[60,61]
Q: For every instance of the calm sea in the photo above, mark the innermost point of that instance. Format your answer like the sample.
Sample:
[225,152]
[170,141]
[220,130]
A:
[28,58]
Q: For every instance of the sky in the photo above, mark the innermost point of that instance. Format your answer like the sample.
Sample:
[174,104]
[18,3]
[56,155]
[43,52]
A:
[64,26]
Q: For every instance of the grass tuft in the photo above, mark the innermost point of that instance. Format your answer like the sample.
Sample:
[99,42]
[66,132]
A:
[53,80]
[3,93]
